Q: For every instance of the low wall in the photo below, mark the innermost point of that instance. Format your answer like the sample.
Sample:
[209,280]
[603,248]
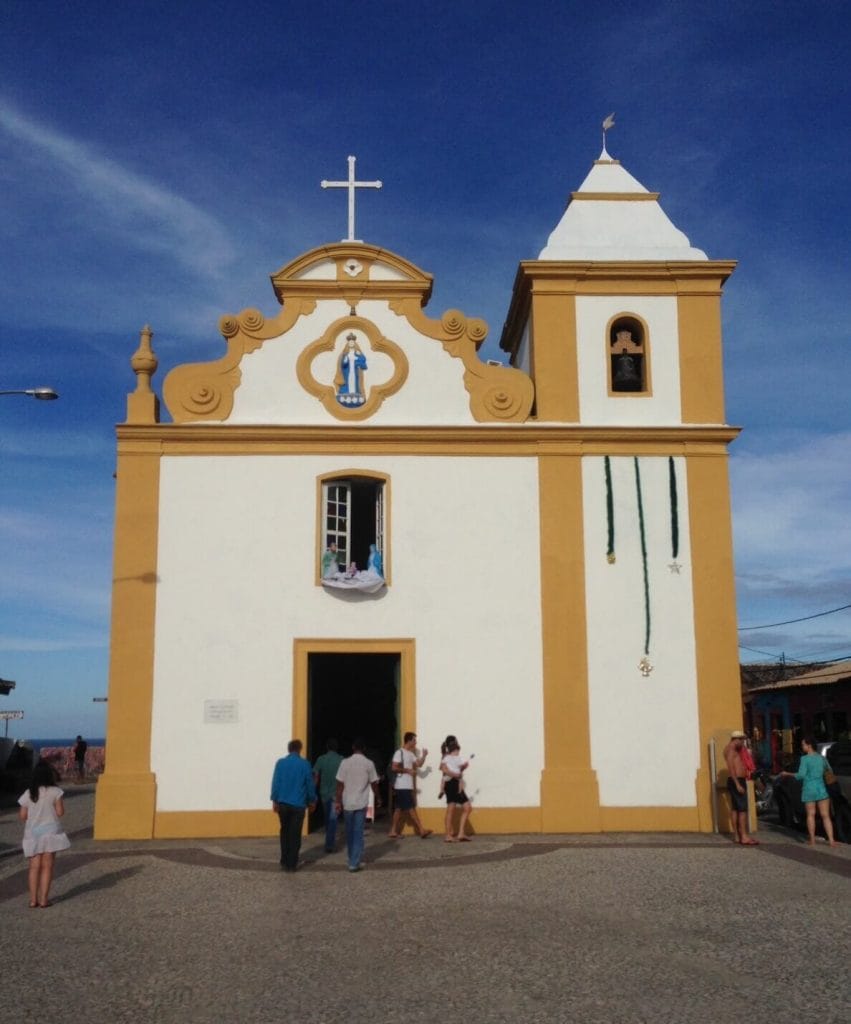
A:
[62,759]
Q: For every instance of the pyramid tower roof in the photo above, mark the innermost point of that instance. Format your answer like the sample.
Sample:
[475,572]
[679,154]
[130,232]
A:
[612,216]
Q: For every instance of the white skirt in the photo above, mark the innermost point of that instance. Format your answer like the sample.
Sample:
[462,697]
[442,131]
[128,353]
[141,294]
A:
[53,843]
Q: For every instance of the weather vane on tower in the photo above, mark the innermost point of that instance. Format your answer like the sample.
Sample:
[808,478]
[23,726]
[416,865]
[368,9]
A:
[351,185]
[607,124]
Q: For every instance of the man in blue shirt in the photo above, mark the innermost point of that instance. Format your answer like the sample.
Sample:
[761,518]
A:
[293,792]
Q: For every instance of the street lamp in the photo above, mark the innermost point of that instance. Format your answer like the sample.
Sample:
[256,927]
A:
[42,394]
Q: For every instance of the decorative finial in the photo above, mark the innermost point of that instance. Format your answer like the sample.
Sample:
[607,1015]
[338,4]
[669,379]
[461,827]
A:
[351,185]
[607,124]
[143,405]
[143,360]
[644,667]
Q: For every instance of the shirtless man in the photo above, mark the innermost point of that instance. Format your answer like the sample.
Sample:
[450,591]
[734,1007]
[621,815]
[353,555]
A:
[737,787]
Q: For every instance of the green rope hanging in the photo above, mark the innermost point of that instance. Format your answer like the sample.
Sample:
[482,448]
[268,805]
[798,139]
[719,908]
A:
[643,557]
[675,511]
[610,513]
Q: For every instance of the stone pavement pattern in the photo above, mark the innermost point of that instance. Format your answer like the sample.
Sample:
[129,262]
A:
[532,929]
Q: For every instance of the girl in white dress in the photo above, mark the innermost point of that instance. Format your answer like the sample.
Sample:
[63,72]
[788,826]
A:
[41,808]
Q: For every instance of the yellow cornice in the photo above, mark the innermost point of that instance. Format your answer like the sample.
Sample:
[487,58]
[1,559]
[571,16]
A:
[528,439]
[616,197]
[607,277]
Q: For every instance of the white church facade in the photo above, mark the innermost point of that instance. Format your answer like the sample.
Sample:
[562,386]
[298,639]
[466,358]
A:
[351,524]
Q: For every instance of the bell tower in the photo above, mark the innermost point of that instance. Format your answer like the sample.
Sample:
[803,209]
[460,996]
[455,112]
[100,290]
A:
[618,324]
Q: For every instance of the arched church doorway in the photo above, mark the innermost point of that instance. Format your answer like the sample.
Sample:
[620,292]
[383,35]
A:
[351,695]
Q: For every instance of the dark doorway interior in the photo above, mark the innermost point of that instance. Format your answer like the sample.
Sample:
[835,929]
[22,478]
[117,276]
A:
[351,695]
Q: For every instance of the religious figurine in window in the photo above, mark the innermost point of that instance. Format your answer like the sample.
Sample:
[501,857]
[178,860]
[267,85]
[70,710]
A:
[330,566]
[349,378]
[373,563]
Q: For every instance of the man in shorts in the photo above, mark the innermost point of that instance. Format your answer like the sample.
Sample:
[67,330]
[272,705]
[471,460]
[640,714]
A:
[405,766]
[737,787]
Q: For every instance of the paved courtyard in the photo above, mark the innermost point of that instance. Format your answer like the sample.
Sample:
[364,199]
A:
[622,929]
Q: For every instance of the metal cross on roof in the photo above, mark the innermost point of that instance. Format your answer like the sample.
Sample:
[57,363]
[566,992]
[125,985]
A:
[351,185]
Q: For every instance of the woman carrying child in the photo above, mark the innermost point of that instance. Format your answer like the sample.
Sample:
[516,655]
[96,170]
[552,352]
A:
[452,767]
[41,807]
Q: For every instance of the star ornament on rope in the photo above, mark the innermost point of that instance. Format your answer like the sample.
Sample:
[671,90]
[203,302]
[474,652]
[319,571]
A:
[674,567]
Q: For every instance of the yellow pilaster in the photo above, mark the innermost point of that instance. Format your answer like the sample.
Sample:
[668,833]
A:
[718,686]
[554,360]
[126,792]
[570,800]
[701,364]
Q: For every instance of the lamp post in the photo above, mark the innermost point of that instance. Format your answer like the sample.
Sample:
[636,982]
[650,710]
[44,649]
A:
[42,394]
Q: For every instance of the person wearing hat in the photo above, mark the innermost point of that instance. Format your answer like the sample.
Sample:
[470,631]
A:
[737,787]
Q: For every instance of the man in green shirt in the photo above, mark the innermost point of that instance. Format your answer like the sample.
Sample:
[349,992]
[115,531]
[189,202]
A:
[325,774]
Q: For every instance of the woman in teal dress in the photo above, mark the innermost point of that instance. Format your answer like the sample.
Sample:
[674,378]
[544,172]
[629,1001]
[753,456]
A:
[814,793]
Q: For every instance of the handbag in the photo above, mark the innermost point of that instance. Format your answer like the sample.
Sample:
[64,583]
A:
[829,775]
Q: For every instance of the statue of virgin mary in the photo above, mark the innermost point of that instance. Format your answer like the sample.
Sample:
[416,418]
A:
[349,378]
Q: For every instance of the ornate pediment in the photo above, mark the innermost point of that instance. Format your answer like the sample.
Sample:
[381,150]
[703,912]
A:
[351,271]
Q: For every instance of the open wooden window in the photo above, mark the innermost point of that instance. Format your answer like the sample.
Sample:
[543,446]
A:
[353,523]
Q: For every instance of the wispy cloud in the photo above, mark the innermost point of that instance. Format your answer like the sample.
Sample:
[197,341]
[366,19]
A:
[793,544]
[36,644]
[143,212]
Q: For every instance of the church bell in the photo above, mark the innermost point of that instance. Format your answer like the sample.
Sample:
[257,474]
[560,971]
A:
[626,373]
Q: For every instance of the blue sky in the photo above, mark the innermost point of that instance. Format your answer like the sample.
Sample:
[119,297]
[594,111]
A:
[158,161]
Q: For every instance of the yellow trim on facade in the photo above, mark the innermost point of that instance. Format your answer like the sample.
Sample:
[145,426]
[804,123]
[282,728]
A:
[650,819]
[701,360]
[499,394]
[290,283]
[719,698]
[553,366]
[348,474]
[484,821]
[344,441]
[607,277]
[615,197]
[327,394]
[126,793]
[570,800]
[405,648]
[204,391]
[216,824]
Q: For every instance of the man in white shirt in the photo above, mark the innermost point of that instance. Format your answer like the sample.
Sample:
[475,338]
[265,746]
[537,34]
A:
[405,766]
[355,776]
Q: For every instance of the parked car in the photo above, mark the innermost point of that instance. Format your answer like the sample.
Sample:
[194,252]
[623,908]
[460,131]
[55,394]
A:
[787,792]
